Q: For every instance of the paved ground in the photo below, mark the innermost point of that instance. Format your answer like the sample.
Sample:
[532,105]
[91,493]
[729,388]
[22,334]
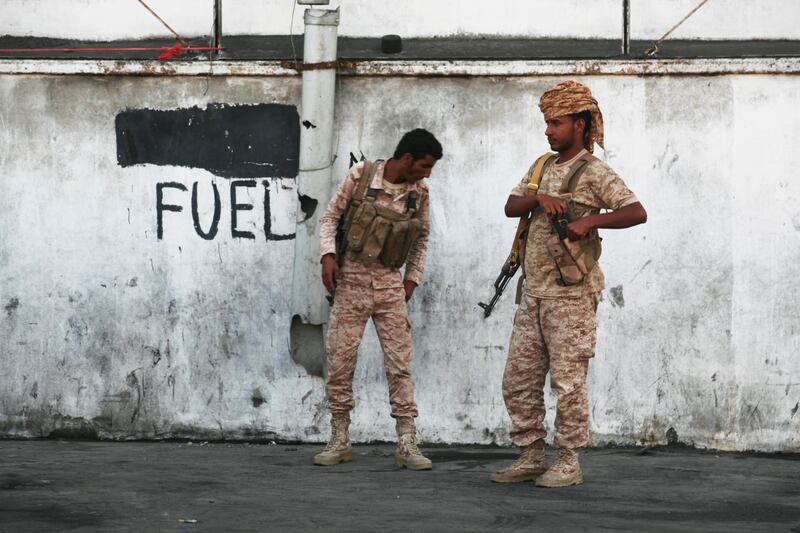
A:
[104,486]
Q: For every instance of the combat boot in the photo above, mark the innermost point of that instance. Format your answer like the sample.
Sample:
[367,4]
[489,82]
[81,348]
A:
[407,453]
[565,471]
[338,449]
[531,464]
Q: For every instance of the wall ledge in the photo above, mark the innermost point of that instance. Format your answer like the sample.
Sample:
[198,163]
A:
[415,68]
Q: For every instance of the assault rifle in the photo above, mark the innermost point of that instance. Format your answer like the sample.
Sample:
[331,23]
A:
[499,286]
[510,267]
[517,255]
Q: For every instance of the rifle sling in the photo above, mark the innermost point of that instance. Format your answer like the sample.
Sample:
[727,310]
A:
[535,172]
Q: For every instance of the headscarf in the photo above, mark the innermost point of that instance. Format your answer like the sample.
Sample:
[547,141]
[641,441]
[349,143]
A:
[571,97]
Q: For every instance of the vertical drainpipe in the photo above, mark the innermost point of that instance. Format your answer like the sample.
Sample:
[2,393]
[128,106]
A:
[316,160]
[626,27]
[217,25]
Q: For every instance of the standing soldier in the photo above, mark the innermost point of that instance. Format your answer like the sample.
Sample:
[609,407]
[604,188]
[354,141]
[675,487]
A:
[384,207]
[555,325]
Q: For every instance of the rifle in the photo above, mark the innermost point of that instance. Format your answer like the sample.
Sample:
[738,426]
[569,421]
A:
[510,267]
[517,255]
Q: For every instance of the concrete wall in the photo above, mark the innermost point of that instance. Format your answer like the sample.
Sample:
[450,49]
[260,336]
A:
[109,331]
[126,19]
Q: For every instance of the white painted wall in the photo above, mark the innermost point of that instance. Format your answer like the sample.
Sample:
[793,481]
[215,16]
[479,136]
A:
[705,342]
[105,20]
[126,19]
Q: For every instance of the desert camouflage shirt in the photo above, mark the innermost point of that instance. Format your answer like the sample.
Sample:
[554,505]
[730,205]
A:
[377,275]
[598,188]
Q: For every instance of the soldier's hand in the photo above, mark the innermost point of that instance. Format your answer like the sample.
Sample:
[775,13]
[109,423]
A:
[554,207]
[330,272]
[409,286]
[578,229]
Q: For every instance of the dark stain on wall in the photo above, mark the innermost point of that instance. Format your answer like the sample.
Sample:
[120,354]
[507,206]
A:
[11,306]
[672,436]
[617,296]
[232,141]
[257,399]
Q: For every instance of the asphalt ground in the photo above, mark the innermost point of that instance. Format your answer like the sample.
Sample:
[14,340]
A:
[53,485]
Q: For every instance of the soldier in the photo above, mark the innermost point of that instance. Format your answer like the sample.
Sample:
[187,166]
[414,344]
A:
[555,324]
[385,206]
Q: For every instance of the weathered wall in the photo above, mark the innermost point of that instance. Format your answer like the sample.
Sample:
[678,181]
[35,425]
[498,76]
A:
[108,329]
[126,19]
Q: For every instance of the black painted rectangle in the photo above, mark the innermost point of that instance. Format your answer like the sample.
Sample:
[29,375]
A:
[232,141]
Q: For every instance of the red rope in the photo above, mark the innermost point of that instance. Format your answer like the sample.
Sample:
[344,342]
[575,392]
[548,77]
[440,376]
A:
[168,52]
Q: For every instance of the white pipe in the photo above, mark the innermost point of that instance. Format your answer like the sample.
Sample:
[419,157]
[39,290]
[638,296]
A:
[316,159]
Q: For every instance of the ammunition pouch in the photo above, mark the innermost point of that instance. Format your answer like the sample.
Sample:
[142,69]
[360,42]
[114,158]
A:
[399,241]
[359,227]
[574,259]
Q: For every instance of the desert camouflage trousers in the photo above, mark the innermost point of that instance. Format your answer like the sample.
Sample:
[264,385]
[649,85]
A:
[555,335]
[353,306]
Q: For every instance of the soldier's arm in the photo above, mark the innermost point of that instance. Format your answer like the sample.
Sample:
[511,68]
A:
[520,202]
[329,221]
[624,217]
[519,206]
[611,193]
[336,207]
[415,263]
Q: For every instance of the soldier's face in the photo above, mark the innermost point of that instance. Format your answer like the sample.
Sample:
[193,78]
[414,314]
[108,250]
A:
[562,133]
[417,169]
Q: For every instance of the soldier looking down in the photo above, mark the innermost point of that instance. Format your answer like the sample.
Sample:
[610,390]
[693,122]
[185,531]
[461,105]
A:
[384,207]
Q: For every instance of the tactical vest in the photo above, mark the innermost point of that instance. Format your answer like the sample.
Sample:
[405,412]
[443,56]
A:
[373,232]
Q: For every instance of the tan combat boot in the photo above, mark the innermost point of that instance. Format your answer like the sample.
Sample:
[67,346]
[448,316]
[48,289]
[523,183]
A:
[531,464]
[565,471]
[407,453]
[338,449]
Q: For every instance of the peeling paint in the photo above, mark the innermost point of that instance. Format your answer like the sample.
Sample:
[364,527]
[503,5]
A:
[308,205]
[307,346]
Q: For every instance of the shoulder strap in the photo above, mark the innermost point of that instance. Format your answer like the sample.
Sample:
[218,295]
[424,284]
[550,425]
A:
[367,173]
[515,257]
[536,172]
[575,172]
[411,203]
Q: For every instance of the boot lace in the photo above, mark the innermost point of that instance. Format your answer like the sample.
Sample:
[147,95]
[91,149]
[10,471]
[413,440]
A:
[339,438]
[408,445]
[566,462]
[529,458]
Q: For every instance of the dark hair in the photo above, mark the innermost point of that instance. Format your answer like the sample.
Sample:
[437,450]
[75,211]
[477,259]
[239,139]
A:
[418,143]
[587,131]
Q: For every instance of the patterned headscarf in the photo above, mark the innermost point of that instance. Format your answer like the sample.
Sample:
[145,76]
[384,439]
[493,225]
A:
[571,97]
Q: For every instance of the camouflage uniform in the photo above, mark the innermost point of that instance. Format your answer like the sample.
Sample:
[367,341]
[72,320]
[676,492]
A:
[374,291]
[555,326]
